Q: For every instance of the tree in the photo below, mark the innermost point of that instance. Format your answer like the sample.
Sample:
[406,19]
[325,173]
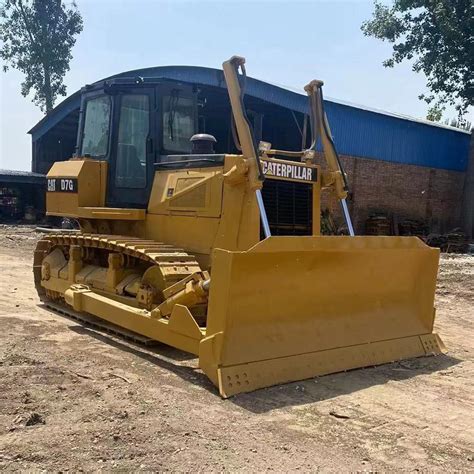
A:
[437,35]
[463,124]
[36,38]
[435,113]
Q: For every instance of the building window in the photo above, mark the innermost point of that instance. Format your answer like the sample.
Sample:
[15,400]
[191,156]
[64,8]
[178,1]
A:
[178,123]
[134,127]
[95,139]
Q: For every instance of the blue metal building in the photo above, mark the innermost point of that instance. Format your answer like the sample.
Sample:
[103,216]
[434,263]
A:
[358,131]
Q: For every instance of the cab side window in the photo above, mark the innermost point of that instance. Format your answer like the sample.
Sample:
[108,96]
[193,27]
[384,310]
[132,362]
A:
[95,139]
[134,127]
[178,123]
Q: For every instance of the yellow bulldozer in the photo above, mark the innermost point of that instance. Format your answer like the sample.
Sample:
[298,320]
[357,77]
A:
[202,268]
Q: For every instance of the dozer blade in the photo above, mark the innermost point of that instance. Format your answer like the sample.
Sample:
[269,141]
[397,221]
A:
[291,308]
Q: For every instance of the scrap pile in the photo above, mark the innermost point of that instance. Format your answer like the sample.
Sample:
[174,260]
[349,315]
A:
[455,241]
[10,202]
[328,226]
[412,227]
[378,224]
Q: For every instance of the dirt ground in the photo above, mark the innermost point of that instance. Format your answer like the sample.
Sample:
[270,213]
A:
[73,398]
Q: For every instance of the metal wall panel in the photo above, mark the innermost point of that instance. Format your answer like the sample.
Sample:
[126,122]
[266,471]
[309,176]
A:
[363,133]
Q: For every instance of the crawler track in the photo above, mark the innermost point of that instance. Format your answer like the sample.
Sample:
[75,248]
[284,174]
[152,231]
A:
[174,263]
[96,323]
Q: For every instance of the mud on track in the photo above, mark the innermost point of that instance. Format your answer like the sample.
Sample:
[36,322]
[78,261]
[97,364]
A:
[74,398]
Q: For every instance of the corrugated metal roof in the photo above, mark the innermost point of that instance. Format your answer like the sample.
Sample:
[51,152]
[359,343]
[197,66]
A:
[357,130]
[378,111]
[23,177]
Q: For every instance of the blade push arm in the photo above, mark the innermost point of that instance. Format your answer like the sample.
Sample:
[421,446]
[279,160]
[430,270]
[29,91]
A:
[244,131]
[320,129]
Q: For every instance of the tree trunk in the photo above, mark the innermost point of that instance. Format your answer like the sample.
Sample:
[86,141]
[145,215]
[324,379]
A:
[48,95]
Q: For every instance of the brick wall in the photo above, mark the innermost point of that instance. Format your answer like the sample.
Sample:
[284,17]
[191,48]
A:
[406,191]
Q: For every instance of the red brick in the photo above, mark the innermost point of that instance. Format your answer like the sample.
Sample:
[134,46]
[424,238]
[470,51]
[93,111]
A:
[407,191]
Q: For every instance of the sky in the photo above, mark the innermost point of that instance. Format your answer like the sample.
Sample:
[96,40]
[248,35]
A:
[284,42]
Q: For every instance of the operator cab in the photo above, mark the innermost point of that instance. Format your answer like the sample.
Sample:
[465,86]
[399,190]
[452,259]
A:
[142,125]
[134,124]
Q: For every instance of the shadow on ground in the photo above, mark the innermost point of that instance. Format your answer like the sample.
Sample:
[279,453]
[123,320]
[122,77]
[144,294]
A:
[184,365]
[334,385]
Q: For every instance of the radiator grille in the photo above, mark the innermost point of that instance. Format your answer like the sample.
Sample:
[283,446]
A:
[288,206]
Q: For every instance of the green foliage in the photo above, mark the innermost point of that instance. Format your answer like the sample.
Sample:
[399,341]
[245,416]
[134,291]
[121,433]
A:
[437,36]
[435,113]
[37,37]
